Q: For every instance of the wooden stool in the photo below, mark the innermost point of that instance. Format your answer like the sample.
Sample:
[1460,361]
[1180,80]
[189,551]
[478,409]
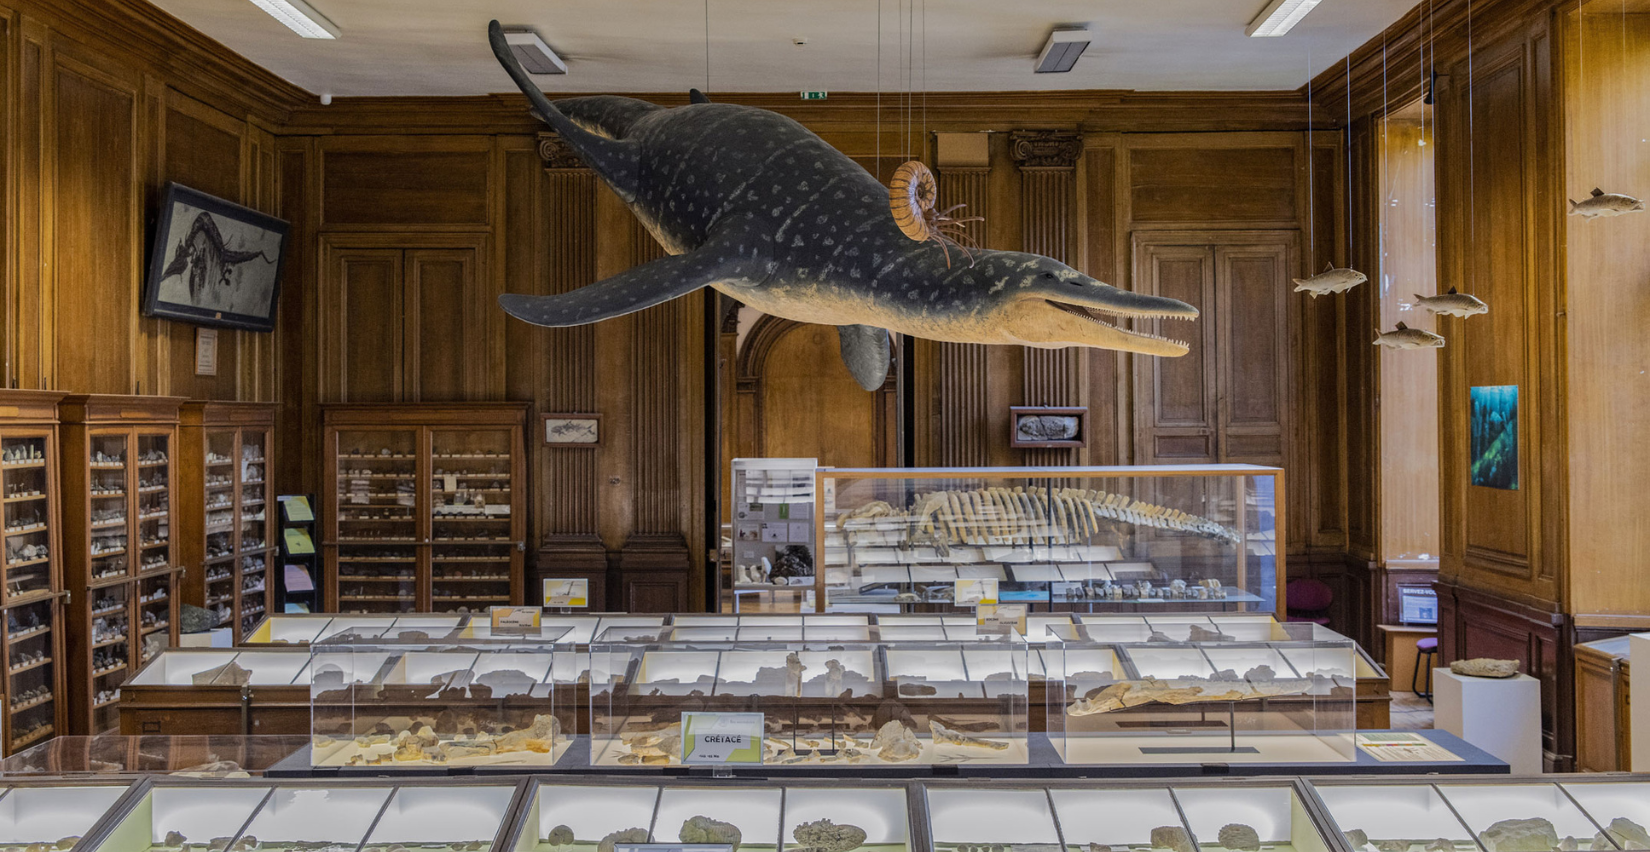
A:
[1425,650]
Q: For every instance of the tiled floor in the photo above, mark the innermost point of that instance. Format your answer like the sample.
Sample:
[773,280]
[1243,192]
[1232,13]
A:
[1410,712]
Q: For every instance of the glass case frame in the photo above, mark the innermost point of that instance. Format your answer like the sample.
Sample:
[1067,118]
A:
[1073,538]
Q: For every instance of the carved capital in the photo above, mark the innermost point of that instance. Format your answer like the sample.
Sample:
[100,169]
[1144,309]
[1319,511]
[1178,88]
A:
[1045,149]
[556,154]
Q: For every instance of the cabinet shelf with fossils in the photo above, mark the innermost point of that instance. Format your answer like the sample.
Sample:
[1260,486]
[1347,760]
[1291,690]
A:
[598,814]
[120,559]
[173,814]
[1126,816]
[773,529]
[32,642]
[471,702]
[1131,694]
[827,697]
[1598,812]
[424,512]
[1086,539]
[226,523]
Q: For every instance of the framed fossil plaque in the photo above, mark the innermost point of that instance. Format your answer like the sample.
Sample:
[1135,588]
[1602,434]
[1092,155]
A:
[573,430]
[1046,426]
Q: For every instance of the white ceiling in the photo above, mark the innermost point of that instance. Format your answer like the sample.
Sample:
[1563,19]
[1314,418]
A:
[439,47]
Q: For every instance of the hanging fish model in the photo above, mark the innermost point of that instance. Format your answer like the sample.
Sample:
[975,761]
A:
[1605,204]
[1453,303]
[1329,281]
[1405,337]
[756,206]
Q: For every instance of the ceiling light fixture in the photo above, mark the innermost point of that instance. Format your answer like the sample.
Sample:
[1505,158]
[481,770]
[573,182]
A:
[1279,17]
[531,51]
[1061,51]
[300,17]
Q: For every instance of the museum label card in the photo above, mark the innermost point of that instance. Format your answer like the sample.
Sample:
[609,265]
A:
[1392,746]
[975,592]
[722,738]
[1000,619]
[567,592]
[515,620]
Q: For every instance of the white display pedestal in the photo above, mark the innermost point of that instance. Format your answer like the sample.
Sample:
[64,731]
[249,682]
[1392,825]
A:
[1638,653]
[1499,715]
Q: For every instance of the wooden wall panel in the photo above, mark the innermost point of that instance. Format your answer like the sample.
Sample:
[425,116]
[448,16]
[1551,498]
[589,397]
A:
[443,281]
[1212,184]
[366,324]
[395,188]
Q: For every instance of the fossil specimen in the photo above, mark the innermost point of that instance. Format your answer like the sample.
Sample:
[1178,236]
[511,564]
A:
[793,674]
[946,736]
[833,677]
[1628,834]
[1520,835]
[1173,838]
[703,829]
[895,742]
[1392,845]
[228,674]
[1239,837]
[1441,845]
[916,689]
[1357,837]
[174,838]
[826,836]
[623,835]
[1047,427]
[559,837]
[409,749]
[1485,667]
[541,736]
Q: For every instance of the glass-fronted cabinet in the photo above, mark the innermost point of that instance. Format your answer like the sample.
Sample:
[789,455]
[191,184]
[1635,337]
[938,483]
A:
[225,530]
[1136,816]
[772,525]
[423,508]
[32,641]
[1599,813]
[120,552]
[1094,539]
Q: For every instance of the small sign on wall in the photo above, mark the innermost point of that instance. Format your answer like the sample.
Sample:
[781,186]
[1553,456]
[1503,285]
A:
[206,352]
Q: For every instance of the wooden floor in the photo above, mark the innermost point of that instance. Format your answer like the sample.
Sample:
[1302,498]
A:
[786,601]
[1410,712]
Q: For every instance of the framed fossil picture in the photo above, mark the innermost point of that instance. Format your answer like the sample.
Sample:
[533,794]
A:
[573,430]
[214,262]
[1046,426]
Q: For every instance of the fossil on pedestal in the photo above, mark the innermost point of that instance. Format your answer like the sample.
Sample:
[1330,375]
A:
[946,736]
[1484,667]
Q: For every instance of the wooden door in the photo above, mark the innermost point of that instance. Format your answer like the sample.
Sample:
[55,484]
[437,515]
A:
[442,354]
[1176,417]
[363,326]
[811,406]
[1252,285]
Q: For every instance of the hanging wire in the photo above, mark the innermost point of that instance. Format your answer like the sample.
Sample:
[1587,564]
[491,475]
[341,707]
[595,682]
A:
[925,73]
[707,46]
[1472,152]
[878,165]
[1311,182]
[1351,219]
[1386,174]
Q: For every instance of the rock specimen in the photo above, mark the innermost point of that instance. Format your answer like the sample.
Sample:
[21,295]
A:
[1357,837]
[1520,835]
[1392,845]
[175,838]
[1569,844]
[703,829]
[895,742]
[468,748]
[1442,844]
[1628,834]
[228,674]
[946,736]
[408,749]
[623,835]
[833,678]
[1173,838]
[916,689]
[559,838]
[1239,838]
[539,737]
[1485,667]
[826,836]
[793,674]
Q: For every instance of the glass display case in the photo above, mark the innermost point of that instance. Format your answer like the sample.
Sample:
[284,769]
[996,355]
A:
[1488,815]
[32,639]
[773,528]
[1131,816]
[225,528]
[200,756]
[54,814]
[1179,692]
[180,815]
[219,691]
[826,696]
[790,817]
[424,514]
[398,703]
[1159,538]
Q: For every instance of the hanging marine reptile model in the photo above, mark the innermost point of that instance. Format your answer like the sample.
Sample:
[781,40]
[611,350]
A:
[753,204]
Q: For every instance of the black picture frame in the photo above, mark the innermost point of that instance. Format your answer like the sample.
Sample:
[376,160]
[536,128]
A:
[221,268]
[1019,413]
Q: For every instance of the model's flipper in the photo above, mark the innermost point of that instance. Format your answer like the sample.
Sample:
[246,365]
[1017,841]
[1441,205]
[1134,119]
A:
[867,352]
[606,115]
[697,97]
[632,290]
[613,160]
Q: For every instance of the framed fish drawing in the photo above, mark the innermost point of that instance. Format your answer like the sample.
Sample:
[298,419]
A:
[214,262]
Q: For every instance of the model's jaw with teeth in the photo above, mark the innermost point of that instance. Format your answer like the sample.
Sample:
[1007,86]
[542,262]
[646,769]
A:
[1106,331]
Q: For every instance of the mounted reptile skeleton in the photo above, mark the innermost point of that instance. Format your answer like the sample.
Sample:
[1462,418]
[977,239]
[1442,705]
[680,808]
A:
[754,205]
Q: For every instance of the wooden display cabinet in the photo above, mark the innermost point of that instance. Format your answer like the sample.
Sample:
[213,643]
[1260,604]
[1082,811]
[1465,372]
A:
[32,638]
[120,560]
[423,506]
[226,538]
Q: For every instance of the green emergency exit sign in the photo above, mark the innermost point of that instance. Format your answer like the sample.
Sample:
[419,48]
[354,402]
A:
[813,96]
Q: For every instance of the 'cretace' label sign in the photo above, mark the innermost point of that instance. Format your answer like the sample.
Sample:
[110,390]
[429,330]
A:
[722,738]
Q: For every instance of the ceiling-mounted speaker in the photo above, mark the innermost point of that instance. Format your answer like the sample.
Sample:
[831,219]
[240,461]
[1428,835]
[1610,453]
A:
[1061,51]
[534,55]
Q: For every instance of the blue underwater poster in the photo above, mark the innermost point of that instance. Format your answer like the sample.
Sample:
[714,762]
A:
[1494,437]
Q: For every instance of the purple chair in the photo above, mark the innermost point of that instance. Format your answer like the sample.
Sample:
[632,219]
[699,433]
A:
[1308,600]
[1427,648]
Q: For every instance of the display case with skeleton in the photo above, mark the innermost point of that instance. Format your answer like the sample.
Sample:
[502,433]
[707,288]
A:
[828,693]
[1089,539]
[1212,692]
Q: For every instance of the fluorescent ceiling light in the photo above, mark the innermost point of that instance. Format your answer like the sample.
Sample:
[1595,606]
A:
[1061,51]
[300,17]
[533,54]
[1279,17]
